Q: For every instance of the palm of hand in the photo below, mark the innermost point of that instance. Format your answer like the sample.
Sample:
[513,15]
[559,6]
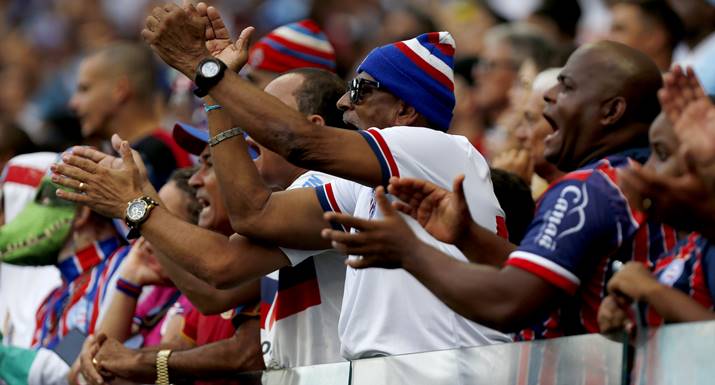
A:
[696,129]
[441,216]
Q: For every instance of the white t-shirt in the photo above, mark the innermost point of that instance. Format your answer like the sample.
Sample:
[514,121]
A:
[300,325]
[387,312]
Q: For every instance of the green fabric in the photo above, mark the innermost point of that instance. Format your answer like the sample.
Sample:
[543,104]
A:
[15,364]
[39,231]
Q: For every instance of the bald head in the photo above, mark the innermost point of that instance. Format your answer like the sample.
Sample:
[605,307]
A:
[623,71]
[133,61]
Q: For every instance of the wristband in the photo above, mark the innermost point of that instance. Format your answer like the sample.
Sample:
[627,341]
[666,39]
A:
[221,136]
[128,288]
[208,108]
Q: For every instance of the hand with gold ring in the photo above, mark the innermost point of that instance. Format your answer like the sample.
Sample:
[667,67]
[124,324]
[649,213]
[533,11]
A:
[81,187]
[89,365]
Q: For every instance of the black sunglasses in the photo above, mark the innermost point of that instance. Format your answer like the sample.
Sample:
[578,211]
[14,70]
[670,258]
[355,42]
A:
[358,87]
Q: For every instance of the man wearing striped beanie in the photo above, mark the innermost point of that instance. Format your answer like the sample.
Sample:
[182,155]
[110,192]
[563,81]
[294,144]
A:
[416,71]
[295,45]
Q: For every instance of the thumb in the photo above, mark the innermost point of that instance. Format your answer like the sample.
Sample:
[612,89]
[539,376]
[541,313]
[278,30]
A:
[116,142]
[101,338]
[383,203]
[458,189]
[244,39]
[126,154]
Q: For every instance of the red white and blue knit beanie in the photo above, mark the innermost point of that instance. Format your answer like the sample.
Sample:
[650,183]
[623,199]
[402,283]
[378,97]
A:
[296,45]
[420,72]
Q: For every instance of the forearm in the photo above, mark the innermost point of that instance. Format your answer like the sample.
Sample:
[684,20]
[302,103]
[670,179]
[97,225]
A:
[675,306]
[117,322]
[245,195]
[204,253]
[205,297]
[482,246]
[269,121]
[222,359]
[481,293]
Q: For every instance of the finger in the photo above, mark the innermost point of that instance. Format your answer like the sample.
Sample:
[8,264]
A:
[72,196]
[383,203]
[71,171]
[89,153]
[244,39]
[126,152]
[347,221]
[149,37]
[66,182]
[694,85]
[101,338]
[160,12]
[202,8]
[217,25]
[365,261]
[404,208]
[81,163]
[151,23]
[351,240]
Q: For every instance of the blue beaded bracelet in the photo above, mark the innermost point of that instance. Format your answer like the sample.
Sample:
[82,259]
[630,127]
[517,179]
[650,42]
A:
[209,108]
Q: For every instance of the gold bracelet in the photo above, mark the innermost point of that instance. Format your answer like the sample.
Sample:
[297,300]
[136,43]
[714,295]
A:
[162,367]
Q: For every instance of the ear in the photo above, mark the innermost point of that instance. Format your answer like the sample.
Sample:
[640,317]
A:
[82,219]
[317,119]
[406,115]
[612,110]
[122,90]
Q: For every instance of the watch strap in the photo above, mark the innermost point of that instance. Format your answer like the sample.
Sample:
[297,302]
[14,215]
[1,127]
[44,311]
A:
[162,367]
[204,84]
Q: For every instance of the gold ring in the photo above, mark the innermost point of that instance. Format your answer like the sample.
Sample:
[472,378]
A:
[81,186]
[646,203]
[95,362]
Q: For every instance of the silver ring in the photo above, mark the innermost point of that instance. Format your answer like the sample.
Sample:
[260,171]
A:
[81,186]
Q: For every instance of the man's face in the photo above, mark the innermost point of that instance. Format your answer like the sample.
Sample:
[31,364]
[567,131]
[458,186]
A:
[213,215]
[92,100]
[533,128]
[494,75]
[634,29]
[664,146]
[573,110]
[375,108]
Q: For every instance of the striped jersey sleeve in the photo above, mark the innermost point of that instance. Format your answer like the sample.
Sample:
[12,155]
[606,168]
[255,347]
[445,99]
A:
[575,225]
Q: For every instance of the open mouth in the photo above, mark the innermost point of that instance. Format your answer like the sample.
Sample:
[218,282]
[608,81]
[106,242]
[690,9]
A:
[553,125]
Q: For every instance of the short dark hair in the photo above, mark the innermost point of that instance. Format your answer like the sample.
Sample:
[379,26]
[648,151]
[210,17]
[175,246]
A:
[514,197]
[136,62]
[659,11]
[318,94]
[564,13]
[181,177]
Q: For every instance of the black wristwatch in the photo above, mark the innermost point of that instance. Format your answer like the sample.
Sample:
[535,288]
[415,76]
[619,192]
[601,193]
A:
[137,213]
[209,72]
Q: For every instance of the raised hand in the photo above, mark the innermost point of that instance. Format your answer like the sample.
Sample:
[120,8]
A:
[443,214]
[519,162]
[177,35]
[140,265]
[683,201]
[218,40]
[104,189]
[382,243]
[680,89]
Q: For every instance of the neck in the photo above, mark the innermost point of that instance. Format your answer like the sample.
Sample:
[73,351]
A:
[82,238]
[135,123]
[297,172]
[548,172]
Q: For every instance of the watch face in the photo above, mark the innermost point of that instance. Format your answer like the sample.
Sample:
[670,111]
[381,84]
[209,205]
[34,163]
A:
[210,69]
[136,210]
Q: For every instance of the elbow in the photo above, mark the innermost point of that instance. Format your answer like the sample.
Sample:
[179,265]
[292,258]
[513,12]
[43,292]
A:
[504,316]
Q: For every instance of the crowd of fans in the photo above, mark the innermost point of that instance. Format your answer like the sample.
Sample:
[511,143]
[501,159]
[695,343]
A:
[183,185]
